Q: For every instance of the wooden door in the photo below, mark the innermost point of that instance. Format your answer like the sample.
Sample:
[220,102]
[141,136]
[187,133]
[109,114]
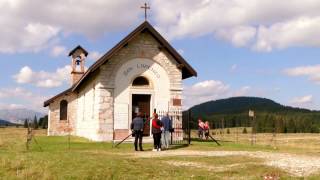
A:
[143,104]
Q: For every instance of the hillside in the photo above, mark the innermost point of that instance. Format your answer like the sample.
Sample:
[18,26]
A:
[4,123]
[236,105]
[270,116]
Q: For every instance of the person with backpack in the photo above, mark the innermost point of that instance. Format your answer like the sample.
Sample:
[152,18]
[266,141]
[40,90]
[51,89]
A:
[156,131]
[137,130]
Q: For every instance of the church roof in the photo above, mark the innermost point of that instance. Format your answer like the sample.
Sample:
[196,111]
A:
[187,70]
[76,48]
[47,102]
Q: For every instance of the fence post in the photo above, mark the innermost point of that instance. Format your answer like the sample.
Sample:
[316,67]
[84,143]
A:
[252,124]
[189,131]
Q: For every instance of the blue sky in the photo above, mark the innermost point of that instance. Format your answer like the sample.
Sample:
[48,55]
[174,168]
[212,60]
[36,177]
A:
[239,48]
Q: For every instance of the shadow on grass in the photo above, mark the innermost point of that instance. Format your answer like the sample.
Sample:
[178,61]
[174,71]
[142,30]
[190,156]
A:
[178,146]
[207,141]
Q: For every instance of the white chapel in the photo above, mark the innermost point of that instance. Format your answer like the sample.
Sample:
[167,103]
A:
[143,72]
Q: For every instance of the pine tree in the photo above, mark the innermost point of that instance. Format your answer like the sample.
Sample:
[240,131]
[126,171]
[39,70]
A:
[40,123]
[35,123]
[45,122]
[25,125]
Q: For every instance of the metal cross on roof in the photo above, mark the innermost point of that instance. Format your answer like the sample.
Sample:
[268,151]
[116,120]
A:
[145,7]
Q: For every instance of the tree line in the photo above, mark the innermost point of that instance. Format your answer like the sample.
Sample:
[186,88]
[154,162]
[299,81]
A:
[269,115]
[268,122]
[41,123]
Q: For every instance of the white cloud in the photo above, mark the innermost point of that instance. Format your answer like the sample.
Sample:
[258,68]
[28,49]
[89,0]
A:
[212,90]
[312,72]
[94,55]
[21,98]
[204,91]
[262,25]
[11,106]
[26,38]
[42,78]
[303,101]
[58,51]
[239,36]
[14,92]
[29,29]
[243,91]
[297,32]
[25,75]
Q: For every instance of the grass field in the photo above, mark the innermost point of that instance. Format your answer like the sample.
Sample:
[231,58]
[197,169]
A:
[304,143]
[91,160]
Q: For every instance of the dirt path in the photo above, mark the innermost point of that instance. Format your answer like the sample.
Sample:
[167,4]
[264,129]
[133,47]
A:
[296,165]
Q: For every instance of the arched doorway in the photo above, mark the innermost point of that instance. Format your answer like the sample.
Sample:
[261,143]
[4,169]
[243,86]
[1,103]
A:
[138,81]
[142,102]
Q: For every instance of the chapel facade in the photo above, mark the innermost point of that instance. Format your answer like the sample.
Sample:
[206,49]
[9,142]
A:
[142,73]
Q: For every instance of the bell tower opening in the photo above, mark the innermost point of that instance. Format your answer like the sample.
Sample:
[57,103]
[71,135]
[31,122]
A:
[78,56]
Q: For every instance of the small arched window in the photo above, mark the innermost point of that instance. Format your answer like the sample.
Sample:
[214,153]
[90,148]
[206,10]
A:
[140,81]
[63,110]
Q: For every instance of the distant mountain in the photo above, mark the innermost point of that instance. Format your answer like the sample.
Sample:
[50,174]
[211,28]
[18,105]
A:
[18,115]
[4,123]
[237,105]
[270,116]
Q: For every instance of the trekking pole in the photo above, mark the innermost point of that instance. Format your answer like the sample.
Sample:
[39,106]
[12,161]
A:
[123,140]
[212,138]
[130,134]
[215,140]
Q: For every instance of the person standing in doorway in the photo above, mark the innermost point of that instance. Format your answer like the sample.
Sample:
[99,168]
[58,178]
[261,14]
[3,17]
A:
[137,130]
[167,126]
[156,131]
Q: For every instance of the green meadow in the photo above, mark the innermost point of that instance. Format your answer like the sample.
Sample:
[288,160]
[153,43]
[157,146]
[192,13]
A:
[55,158]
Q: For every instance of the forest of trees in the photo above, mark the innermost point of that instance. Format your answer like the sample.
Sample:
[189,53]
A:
[37,123]
[269,115]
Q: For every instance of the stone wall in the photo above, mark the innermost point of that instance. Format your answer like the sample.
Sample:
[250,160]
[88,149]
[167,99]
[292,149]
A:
[62,127]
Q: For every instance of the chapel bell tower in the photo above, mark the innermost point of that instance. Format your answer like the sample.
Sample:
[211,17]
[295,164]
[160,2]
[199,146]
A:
[78,56]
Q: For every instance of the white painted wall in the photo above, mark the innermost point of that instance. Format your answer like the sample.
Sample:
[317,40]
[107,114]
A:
[160,92]
[87,124]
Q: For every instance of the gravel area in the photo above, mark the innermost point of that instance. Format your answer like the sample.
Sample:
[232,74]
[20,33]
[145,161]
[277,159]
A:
[296,165]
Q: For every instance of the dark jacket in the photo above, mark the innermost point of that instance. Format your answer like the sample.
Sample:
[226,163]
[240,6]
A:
[137,124]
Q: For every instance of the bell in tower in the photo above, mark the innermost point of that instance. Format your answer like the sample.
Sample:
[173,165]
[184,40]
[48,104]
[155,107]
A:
[78,56]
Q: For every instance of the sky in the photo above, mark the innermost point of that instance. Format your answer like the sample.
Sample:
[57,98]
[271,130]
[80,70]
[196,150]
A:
[263,48]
